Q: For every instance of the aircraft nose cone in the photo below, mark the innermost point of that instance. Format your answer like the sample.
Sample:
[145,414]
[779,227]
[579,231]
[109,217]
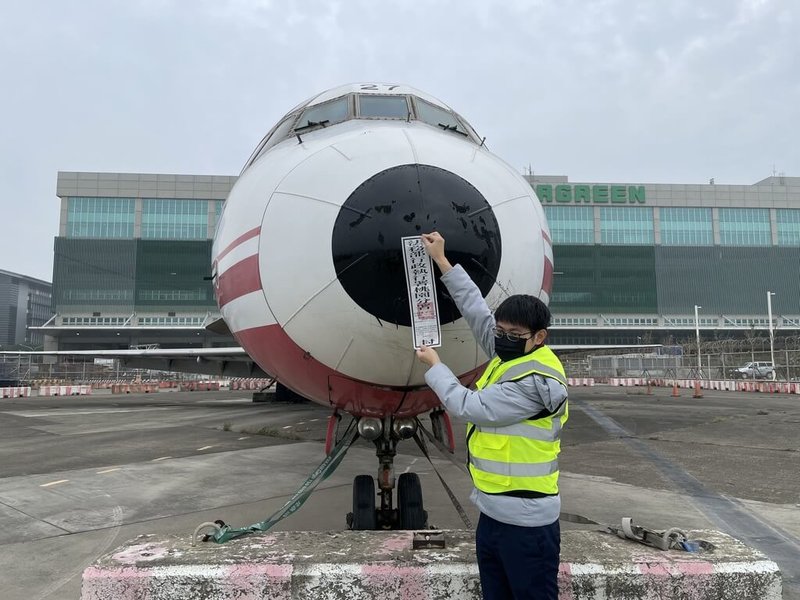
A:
[403,201]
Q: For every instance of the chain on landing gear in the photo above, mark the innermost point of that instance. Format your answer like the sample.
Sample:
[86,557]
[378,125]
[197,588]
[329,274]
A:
[410,513]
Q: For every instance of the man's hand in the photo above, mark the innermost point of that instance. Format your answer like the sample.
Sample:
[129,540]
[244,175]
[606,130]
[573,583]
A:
[429,356]
[434,246]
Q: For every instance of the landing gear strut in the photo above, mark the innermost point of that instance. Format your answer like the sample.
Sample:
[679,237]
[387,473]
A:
[410,514]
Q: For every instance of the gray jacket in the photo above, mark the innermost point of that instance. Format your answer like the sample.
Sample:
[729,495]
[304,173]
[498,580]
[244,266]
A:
[497,405]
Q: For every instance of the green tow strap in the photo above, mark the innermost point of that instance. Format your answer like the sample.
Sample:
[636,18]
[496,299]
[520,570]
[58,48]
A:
[224,533]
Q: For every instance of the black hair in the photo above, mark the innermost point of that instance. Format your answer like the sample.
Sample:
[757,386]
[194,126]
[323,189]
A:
[524,311]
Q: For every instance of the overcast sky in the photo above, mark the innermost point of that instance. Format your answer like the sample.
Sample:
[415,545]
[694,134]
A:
[658,91]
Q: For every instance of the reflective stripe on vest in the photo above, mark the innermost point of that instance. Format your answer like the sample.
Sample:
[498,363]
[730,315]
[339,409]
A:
[515,469]
[519,459]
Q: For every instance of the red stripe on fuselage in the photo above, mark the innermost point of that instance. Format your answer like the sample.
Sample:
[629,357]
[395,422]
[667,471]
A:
[240,279]
[278,355]
[547,277]
[237,242]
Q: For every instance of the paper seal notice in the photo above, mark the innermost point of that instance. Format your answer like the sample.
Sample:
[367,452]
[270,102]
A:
[421,293]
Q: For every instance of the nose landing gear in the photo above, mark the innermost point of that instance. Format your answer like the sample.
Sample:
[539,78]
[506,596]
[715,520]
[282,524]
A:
[410,513]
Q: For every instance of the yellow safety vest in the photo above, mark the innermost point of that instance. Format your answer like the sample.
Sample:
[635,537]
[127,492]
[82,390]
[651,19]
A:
[520,459]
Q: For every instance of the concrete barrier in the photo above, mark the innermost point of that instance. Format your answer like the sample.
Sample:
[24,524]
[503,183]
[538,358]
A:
[580,381]
[65,390]
[15,392]
[730,385]
[200,386]
[134,388]
[370,565]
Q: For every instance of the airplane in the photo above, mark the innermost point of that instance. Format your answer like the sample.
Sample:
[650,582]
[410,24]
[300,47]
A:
[308,268]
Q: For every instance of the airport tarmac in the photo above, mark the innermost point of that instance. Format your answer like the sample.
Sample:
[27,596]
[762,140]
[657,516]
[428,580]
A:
[81,475]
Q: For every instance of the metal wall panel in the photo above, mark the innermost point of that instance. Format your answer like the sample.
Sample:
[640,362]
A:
[604,279]
[172,274]
[91,272]
[727,280]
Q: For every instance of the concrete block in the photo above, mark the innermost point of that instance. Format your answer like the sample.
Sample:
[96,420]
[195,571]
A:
[383,565]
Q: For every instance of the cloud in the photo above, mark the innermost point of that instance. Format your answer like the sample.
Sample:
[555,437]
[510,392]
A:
[600,90]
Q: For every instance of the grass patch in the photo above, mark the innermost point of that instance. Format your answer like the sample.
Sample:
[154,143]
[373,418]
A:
[272,432]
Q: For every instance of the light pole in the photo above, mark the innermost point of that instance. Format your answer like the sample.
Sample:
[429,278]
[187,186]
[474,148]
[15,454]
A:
[697,331]
[771,335]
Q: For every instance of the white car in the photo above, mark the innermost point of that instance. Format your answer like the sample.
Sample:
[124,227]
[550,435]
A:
[755,370]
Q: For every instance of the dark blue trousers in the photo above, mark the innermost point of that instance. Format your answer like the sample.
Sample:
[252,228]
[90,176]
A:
[519,563]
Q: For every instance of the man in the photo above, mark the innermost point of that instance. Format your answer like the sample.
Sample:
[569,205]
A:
[515,418]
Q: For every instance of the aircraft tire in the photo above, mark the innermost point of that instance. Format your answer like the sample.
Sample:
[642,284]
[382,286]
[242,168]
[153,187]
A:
[409,502]
[364,516]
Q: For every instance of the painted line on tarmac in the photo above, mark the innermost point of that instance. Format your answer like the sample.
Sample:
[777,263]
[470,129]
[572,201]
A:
[246,437]
[111,470]
[72,413]
[408,468]
[726,513]
[160,458]
[105,543]
[60,481]
[207,447]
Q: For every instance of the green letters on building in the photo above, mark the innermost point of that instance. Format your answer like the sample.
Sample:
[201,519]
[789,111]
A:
[565,193]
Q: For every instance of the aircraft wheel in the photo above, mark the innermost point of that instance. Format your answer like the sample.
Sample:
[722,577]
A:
[363,516]
[409,502]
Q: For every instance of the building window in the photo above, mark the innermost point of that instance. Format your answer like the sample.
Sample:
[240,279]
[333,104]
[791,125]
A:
[574,321]
[100,217]
[72,296]
[788,227]
[171,321]
[628,225]
[686,227]
[173,295]
[571,224]
[218,205]
[744,227]
[174,219]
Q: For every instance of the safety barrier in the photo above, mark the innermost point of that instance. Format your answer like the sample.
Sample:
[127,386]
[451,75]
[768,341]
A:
[383,565]
[200,386]
[627,381]
[65,390]
[580,381]
[134,388]
[15,392]
[251,384]
[729,385]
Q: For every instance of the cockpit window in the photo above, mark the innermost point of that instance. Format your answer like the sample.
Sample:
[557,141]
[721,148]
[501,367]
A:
[278,133]
[438,117]
[323,115]
[386,107]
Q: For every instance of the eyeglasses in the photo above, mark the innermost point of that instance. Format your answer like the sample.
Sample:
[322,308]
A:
[511,336]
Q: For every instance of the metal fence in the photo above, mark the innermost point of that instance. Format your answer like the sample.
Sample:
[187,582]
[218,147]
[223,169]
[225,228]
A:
[26,369]
[718,360]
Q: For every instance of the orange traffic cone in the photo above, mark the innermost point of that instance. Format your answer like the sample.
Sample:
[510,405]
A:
[698,392]
[675,393]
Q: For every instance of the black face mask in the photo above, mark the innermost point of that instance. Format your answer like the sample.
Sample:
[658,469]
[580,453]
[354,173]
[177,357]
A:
[508,350]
